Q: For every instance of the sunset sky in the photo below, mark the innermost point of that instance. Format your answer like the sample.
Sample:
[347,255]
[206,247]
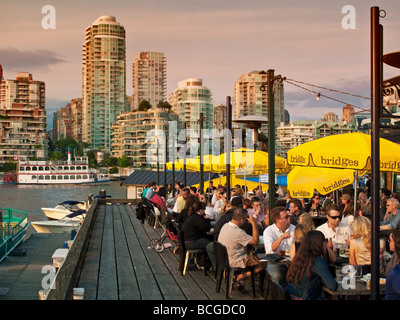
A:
[216,40]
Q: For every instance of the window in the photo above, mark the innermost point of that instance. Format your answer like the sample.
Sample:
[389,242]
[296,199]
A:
[47,177]
[53,177]
[59,177]
[66,177]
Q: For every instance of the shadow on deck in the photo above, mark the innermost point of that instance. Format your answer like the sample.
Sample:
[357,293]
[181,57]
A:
[112,260]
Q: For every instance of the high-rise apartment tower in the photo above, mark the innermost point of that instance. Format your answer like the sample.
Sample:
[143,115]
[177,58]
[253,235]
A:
[104,80]
[149,78]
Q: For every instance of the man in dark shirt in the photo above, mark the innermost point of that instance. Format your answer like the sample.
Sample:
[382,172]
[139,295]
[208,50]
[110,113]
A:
[236,202]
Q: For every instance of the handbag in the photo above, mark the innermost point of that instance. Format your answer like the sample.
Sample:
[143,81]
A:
[251,260]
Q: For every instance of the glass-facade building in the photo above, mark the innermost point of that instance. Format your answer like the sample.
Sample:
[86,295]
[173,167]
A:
[250,100]
[189,100]
[104,80]
[149,78]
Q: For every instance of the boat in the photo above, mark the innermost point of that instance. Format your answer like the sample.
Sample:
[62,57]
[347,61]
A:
[65,224]
[8,178]
[13,227]
[65,208]
[75,171]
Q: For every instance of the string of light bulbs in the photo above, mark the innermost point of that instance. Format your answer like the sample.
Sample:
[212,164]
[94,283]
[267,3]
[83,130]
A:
[329,89]
[290,81]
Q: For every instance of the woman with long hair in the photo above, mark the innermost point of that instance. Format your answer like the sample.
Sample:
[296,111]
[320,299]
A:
[309,272]
[360,244]
[347,209]
[299,233]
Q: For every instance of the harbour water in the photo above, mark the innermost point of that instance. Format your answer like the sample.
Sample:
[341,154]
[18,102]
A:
[31,198]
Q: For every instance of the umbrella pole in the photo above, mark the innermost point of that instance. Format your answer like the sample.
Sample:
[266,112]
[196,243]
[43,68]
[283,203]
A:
[245,186]
[355,192]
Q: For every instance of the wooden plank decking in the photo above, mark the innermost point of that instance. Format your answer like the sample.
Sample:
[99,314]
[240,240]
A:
[120,265]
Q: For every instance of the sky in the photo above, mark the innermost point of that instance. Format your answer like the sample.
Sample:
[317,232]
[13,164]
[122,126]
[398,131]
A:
[215,40]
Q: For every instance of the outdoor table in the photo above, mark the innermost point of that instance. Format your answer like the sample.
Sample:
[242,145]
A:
[344,290]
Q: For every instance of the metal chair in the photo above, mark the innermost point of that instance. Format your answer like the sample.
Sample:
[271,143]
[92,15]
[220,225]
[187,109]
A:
[186,254]
[222,266]
[273,290]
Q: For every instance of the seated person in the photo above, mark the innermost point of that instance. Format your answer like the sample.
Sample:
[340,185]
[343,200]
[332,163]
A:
[309,272]
[256,210]
[393,278]
[392,216]
[195,229]
[360,244]
[313,205]
[236,202]
[332,228]
[278,238]
[235,239]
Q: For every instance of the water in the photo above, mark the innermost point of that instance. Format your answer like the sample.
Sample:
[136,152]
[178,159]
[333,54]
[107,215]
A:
[31,198]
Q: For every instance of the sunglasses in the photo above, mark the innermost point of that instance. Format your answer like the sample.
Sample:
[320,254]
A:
[333,217]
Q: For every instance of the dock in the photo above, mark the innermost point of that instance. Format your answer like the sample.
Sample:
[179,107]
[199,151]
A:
[111,259]
[21,272]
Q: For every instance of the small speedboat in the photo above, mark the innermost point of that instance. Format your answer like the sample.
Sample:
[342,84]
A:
[66,224]
[65,208]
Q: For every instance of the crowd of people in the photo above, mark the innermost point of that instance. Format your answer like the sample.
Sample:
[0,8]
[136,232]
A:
[241,219]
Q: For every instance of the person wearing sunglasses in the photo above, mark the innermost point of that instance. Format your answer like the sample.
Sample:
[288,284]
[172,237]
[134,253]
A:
[314,204]
[392,216]
[332,229]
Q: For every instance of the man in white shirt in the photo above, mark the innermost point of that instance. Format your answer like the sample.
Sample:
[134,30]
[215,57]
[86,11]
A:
[220,202]
[278,237]
[332,229]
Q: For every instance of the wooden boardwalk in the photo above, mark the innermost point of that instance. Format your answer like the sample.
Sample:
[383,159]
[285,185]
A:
[120,265]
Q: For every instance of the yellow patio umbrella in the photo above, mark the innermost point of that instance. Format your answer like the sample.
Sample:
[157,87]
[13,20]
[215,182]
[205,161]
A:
[345,151]
[235,180]
[178,165]
[302,181]
[247,161]
[194,163]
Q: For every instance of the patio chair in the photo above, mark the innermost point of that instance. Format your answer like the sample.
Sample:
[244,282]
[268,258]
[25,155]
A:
[222,266]
[186,254]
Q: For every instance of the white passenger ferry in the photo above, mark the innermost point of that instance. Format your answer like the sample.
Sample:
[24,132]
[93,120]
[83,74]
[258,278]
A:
[56,172]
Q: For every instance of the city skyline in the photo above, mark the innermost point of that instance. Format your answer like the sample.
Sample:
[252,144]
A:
[215,41]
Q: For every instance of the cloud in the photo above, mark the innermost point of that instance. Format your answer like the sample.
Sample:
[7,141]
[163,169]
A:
[17,60]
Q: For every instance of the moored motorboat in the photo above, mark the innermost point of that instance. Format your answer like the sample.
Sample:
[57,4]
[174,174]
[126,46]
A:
[65,224]
[13,226]
[66,208]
